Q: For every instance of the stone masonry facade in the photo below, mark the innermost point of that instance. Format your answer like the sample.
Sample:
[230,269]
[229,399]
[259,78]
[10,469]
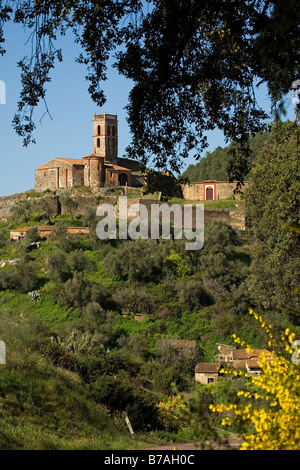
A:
[211,190]
[97,170]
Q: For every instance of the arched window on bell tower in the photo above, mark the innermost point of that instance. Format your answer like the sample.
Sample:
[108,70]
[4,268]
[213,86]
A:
[105,136]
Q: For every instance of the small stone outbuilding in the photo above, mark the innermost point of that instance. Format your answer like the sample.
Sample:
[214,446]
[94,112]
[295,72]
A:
[253,368]
[44,231]
[207,373]
[225,353]
[241,358]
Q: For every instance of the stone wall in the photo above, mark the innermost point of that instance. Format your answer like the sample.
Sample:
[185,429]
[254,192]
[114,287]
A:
[237,217]
[46,178]
[224,190]
[233,217]
[8,202]
[193,191]
[84,202]
[64,176]
[204,378]
[78,176]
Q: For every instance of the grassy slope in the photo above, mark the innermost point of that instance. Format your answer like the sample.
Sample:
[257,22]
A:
[45,406]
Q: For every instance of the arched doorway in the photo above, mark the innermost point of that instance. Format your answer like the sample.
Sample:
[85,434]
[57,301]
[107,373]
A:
[209,196]
[123,179]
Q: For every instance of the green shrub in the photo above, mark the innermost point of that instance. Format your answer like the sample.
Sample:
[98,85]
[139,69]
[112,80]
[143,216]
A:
[119,393]
[192,295]
[23,277]
[58,267]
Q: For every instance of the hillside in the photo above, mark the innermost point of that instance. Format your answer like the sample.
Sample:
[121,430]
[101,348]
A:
[214,165]
[90,344]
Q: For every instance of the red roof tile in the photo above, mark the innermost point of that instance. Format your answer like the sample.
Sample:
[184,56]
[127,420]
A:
[72,161]
[91,155]
[210,367]
[116,167]
[51,163]
[253,364]
[243,354]
[22,229]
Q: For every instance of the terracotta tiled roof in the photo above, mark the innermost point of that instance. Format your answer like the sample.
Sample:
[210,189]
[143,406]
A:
[210,367]
[77,161]
[226,345]
[116,167]
[93,155]
[78,230]
[252,364]
[243,354]
[240,354]
[46,227]
[22,229]
[51,163]
[72,161]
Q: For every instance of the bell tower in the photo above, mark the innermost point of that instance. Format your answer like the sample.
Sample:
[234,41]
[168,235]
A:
[105,137]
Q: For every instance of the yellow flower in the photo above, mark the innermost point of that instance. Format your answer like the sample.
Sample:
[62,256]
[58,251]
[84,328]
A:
[276,422]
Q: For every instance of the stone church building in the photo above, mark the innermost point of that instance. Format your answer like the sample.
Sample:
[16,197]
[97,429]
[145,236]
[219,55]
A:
[100,168]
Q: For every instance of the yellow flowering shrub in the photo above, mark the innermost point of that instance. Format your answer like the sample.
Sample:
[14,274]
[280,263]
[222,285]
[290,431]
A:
[171,412]
[271,412]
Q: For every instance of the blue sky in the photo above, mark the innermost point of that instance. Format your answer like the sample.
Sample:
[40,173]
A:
[69,133]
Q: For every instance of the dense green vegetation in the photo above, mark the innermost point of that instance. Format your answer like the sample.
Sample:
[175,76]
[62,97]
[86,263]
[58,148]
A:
[84,319]
[78,355]
[273,215]
[216,165]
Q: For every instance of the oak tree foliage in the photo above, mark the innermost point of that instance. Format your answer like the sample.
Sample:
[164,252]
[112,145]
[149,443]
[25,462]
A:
[194,65]
[272,211]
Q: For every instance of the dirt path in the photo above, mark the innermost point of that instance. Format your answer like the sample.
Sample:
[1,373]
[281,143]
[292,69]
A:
[233,444]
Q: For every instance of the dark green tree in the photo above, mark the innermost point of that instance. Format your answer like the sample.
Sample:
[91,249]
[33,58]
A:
[22,277]
[273,216]
[135,260]
[68,203]
[32,235]
[58,267]
[46,208]
[4,237]
[192,295]
[80,262]
[22,210]
[216,165]
[194,65]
